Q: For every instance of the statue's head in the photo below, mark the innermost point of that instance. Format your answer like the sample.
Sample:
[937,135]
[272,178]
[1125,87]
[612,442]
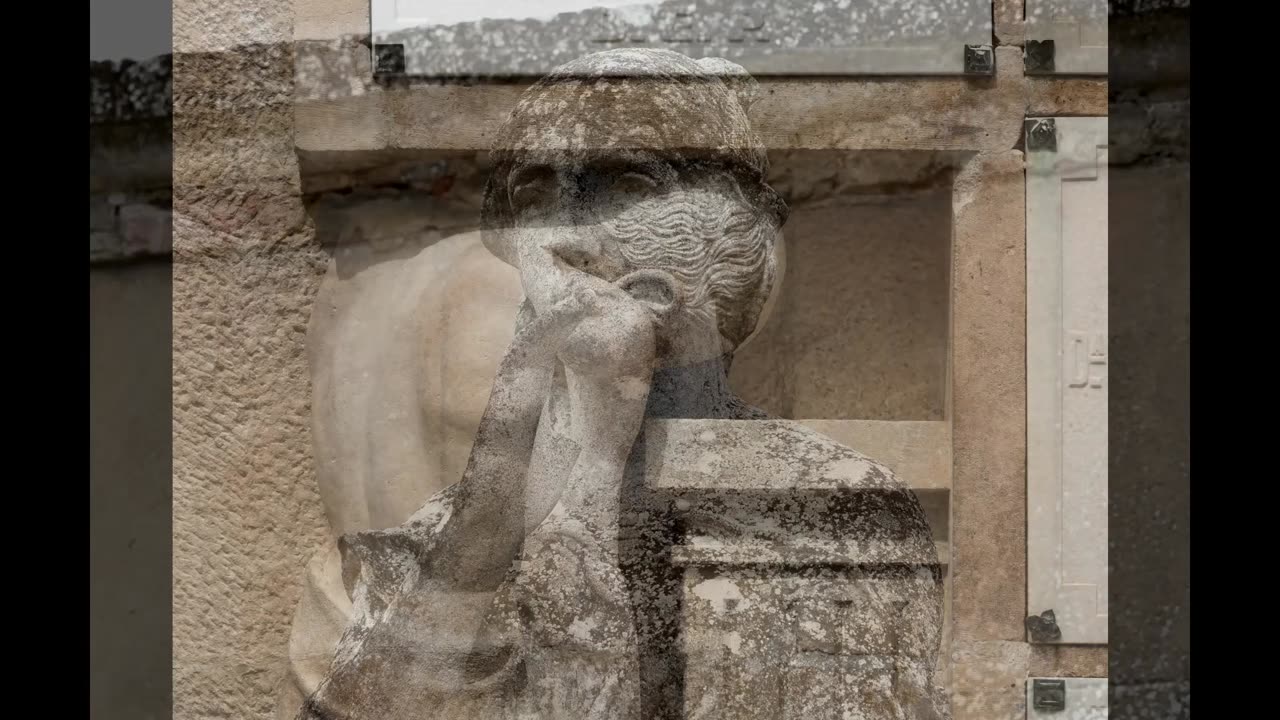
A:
[629,160]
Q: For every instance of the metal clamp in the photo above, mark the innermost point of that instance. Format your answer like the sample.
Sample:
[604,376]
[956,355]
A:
[1042,135]
[1043,627]
[1049,695]
[388,59]
[979,60]
[1037,57]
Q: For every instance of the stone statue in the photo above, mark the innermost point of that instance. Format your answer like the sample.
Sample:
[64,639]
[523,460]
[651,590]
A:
[630,194]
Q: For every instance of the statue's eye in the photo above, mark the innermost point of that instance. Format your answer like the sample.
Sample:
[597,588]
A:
[529,195]
[634,182]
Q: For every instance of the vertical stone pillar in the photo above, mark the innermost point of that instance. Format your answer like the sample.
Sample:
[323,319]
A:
[988,522]
[245,511]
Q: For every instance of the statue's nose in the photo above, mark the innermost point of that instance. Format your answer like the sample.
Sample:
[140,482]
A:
[580,247]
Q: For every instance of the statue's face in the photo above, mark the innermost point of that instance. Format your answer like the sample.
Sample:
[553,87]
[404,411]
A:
[610,214]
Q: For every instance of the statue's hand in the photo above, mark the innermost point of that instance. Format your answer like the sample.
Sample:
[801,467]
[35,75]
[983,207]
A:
[596,329]
[613,338]
[539,336]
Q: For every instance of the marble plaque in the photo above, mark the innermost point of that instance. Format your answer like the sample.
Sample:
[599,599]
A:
[811,37]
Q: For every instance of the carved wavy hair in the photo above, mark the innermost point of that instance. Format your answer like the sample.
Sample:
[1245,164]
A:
[721,249]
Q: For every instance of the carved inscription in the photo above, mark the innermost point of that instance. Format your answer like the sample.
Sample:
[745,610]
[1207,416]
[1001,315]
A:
[1086,356]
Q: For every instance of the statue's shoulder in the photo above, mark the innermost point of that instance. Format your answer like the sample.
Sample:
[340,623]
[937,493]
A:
[412,336]
[765,455]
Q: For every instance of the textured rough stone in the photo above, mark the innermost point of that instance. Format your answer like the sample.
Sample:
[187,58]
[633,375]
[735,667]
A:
[1051,96]
[988,680]
[233,119]
[988,395]
[230,25]
[245,509]
[246,515]
[1067,661]
[1009,27]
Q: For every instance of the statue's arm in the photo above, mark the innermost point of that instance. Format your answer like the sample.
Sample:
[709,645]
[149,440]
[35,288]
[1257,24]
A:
[477,544]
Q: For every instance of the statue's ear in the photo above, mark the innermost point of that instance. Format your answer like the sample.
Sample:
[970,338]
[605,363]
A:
[656,290]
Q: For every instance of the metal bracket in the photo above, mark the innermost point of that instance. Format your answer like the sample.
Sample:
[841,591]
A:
[1038,56]
[388,59]
[979,60]
[1043,627]
[1042,135]
[1049,695]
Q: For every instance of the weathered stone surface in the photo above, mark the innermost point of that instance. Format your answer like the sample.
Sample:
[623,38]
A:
[230,222]
[988,396]
[233,119]
[988,680]
[1067,661]
[1051,96]
[1009,26]
[893,113]
[771,456]
[818,642]
[918,452]
[245,511]
[764,37]
[385,220]
[230,25]
[246,514]
[130,130]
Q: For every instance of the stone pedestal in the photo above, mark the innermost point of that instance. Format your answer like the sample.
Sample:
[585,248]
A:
[811,584]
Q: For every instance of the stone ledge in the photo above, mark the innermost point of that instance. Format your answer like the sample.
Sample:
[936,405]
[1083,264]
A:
[745,553]
[340,108]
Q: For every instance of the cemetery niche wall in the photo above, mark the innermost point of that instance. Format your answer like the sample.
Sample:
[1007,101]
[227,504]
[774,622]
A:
[835,610]
[896,330]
